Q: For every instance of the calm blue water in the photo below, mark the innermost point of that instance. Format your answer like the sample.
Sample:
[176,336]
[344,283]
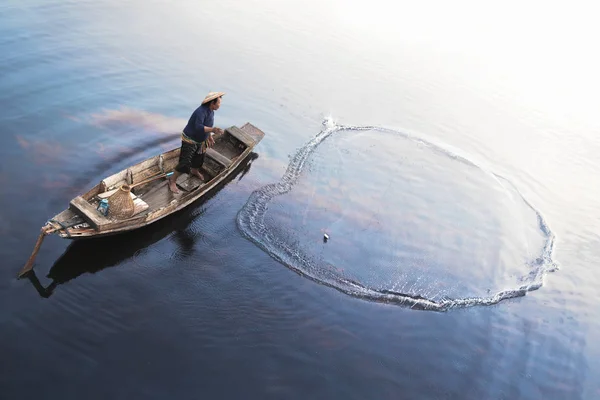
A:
[203,305]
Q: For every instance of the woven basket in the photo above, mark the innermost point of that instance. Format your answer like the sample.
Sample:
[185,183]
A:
[120,204]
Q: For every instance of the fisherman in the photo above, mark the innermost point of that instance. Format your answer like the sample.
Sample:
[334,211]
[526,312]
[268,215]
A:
[196,138]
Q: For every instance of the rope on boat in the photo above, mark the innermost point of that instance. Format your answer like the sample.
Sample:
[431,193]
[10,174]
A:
[63,226]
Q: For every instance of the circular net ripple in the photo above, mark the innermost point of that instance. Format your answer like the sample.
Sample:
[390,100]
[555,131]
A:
[408,221]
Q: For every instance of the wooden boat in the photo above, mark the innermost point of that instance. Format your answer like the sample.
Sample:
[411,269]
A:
[151,195]
[91,256]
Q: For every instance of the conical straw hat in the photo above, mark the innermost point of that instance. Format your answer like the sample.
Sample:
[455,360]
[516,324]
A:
[212,96]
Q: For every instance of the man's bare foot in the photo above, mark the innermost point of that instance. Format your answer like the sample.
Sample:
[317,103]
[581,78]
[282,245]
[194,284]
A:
[197,174]
[173,186]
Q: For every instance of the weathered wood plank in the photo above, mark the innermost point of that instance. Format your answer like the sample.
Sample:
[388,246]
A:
[170,159]
[218,157]
[253,131]
[97,220]
[171,154]
[145,174]
[139,206]
[143,165]
[240,135]
[159,196]
[145,169]
[87,212]
[190,183]
[170,164]
[115,180]
[92,192]
[106,195]
[135,221]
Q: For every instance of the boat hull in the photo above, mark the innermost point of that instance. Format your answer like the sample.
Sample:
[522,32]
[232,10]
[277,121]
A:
[82,221]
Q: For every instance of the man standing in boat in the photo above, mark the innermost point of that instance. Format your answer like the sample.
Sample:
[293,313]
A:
[196,137]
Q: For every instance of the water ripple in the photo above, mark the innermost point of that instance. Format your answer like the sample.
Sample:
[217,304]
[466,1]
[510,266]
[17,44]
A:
[251,222]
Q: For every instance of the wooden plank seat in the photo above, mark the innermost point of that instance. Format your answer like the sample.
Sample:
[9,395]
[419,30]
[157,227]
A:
[241,136]
[80,206]
[218,157]
[97,220]
[109,193]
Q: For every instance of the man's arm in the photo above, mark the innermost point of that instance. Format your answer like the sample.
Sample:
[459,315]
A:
[214,135]
[199,124]
[208,129]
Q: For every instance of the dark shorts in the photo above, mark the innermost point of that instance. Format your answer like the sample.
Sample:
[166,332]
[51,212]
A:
[190,156]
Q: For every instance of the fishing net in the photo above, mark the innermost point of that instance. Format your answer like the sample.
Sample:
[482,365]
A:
[408,222]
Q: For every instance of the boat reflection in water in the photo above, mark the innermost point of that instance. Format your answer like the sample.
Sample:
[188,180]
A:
[93,255]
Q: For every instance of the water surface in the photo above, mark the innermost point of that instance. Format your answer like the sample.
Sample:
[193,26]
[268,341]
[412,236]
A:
[192,307]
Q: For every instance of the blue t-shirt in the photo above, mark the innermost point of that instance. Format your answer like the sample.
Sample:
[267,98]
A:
[201,117]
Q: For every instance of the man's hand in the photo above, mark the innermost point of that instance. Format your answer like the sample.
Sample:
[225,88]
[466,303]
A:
[211,140]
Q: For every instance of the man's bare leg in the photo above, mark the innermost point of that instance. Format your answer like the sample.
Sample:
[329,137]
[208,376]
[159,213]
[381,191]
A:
[173,182]
[197,173]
